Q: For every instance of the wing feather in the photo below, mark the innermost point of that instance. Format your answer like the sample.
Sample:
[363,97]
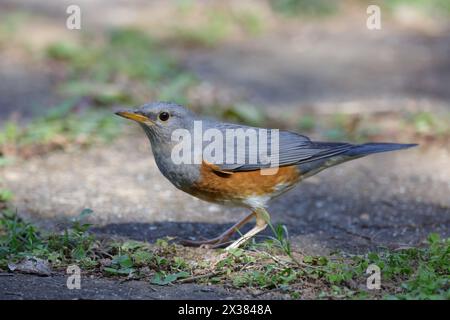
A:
[293,149]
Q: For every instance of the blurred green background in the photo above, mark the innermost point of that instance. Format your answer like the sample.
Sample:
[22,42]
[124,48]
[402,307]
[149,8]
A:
[311,66]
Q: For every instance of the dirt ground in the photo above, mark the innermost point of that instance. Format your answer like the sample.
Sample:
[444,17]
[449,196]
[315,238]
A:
[370,203]
[13,287]
[387,200]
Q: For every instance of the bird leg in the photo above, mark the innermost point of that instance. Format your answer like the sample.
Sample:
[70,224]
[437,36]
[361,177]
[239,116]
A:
[262,219]
[220,240]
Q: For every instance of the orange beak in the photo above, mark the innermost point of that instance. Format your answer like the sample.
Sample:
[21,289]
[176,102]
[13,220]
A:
[133,116]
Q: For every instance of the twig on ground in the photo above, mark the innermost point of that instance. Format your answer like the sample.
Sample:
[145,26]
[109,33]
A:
[200,276]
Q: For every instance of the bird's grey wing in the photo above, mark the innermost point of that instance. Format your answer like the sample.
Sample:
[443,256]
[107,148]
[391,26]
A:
[293,149]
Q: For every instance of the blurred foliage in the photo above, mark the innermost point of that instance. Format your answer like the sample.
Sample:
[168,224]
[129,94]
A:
[250,22]
[365,127]
[434,7]
[5,196]
[245,113]
[354,127]
[208,34]
[305,7]
[217,24]
[428,123]
[9,24]
[338,126]
[126,52]
[318,8]
[126,67]
[61,127]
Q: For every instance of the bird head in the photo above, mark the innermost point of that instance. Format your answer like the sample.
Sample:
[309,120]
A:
[160,119]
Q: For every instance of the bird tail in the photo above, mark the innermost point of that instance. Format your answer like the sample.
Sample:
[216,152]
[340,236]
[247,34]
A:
[362,150]
[314,166]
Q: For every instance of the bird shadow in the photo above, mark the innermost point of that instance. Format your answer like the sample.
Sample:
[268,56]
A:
[150,232]
[310,231]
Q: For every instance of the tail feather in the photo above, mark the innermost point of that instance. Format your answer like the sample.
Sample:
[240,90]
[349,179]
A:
[369,148]
[356,151]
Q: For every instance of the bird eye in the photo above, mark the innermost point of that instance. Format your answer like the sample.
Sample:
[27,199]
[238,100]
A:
[164,116]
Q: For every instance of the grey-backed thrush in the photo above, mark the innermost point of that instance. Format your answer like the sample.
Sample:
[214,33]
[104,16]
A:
[248,184]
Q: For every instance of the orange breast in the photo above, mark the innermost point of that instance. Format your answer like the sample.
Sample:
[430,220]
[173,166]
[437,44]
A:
[218,186]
